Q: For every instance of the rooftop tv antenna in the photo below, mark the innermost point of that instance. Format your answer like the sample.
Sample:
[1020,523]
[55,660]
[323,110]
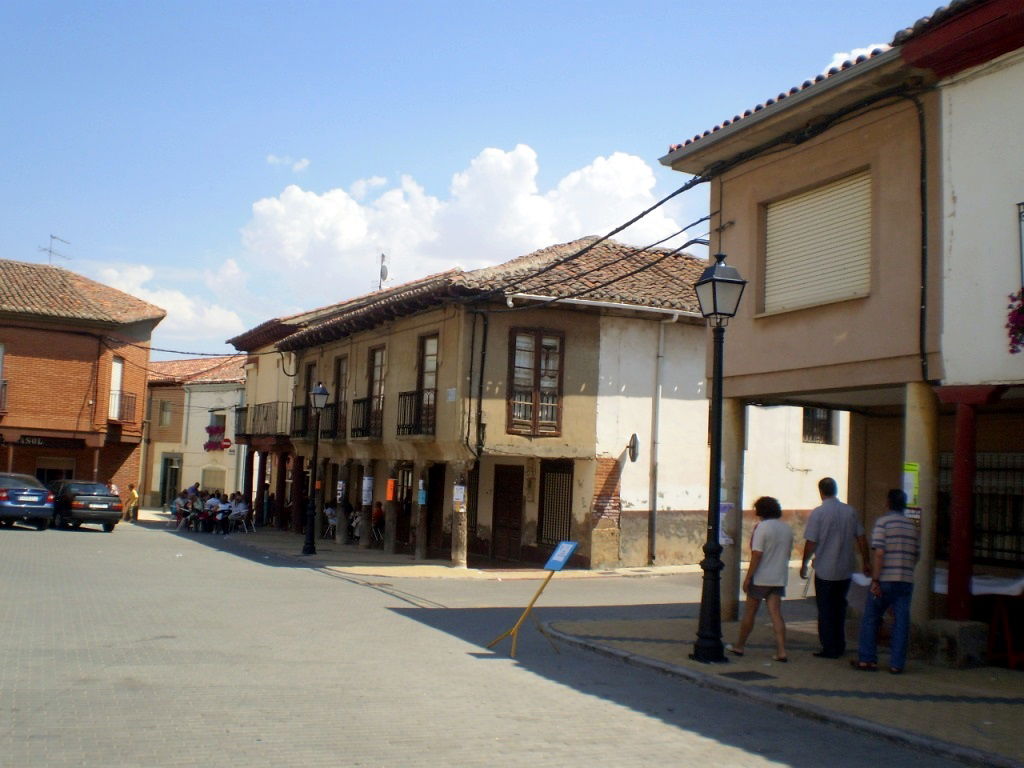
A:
[51,252]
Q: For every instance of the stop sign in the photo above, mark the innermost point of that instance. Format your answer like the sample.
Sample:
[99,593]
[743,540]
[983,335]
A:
[225,443]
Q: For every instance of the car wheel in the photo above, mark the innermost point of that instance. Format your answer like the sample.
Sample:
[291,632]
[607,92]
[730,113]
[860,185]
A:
[76,524]
[42,523]
[108,527]
[5,523]
[58,521]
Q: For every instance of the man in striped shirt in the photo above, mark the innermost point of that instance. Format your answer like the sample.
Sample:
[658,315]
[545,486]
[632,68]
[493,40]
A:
[894,544]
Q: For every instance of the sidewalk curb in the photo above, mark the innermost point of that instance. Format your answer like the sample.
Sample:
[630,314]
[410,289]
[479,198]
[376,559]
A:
[947,749]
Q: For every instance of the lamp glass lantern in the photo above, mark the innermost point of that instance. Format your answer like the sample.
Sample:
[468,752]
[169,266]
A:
[719,290]
[318,397]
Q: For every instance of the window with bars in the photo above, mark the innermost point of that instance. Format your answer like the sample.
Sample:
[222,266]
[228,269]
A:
[819,426]
[554,522]
[535,382]
[998,502]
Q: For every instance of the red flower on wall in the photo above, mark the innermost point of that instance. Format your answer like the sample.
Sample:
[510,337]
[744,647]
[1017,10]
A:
[1015,321]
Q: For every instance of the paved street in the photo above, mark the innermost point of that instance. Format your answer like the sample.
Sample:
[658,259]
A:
[148,648]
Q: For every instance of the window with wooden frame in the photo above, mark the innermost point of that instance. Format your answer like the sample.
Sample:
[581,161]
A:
[535,382]
[341,379]
[164,415]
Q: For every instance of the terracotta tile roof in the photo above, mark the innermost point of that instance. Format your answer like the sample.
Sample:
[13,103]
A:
[47,291]
[224,369]
[665,282]
[941,15]
[611,271]
[832,72]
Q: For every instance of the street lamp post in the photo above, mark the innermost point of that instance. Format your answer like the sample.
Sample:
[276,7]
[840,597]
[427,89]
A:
[718,290]
[317,401]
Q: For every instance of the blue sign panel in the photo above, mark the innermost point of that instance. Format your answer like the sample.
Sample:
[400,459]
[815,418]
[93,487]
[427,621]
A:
[560,556]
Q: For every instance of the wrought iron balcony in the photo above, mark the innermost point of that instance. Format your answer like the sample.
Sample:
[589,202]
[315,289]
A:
[332,421]
[367,416]
[241,421]
[268,418]
[417,413]
[301,422]
[122,406]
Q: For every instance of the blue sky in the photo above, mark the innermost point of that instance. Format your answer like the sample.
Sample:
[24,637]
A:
[236,161]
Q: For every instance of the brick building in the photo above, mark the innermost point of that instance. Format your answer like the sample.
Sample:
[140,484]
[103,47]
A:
[73,360]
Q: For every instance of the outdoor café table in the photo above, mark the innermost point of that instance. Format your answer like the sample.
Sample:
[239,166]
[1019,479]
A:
[1003,590]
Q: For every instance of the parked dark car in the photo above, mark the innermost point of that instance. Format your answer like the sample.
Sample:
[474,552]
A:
[83,501]
[23,498]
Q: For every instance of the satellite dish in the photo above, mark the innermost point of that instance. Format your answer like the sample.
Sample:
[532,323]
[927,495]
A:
[383,271]
[633,447]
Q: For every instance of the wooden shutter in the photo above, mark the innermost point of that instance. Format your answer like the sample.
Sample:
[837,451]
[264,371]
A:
[818,245]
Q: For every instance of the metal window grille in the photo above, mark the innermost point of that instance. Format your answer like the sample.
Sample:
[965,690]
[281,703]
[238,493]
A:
[819,426]
[555,523]
[998,508]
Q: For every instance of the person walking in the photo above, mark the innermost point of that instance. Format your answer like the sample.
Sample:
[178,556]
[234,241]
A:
[771,545]
[832,531]
[895,549]
[131,508]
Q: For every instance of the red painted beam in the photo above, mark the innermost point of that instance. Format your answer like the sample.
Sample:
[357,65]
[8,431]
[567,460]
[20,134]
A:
[978,35]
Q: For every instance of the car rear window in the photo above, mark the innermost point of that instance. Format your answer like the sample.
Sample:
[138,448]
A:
[20,481]
[91,489]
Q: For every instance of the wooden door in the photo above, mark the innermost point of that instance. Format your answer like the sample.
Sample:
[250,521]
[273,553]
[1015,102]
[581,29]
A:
[508,511]
[435,507]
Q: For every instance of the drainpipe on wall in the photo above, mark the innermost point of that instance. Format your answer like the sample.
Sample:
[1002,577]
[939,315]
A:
[652,523]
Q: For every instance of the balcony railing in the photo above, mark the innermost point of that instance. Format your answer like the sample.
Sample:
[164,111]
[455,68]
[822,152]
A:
[3,396]
[268,418]
[332,421]
[300,421]
[367,416]
[122,406]
[241,420]
[416,412]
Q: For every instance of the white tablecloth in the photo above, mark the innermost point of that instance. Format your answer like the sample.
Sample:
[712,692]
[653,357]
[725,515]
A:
[982,584]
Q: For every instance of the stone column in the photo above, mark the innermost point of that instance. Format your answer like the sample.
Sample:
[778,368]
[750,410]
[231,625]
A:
[391,509]
[261,489]
[734,425]
[460,521]
[420,512]
[298,493]
[921,446]
[250,460]
[366,509]
[279,486]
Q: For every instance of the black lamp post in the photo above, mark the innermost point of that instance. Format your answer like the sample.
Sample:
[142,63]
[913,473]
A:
[317,401]
[718,291]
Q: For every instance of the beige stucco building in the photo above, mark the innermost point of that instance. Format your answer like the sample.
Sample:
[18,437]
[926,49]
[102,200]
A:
[874,213]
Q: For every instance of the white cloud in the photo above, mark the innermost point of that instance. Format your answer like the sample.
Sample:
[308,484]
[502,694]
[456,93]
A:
[322,248]
[840,56]
[197,320]
[296,165]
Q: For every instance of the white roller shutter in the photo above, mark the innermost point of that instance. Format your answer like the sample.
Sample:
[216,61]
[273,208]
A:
[818,245]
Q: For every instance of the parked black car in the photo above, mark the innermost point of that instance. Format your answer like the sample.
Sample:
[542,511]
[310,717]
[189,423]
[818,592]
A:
[23,498]
[83,501]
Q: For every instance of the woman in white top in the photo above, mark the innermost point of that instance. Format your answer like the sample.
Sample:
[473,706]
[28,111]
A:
[771,546]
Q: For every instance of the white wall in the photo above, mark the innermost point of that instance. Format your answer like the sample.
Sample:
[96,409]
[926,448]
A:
[199,400]
[627,363]
[778,463]
[983,180]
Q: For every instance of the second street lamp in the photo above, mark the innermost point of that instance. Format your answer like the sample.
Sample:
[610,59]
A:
[317,401]
[718,290]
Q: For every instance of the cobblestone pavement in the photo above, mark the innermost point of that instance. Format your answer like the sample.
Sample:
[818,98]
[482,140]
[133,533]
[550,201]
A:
[148,648]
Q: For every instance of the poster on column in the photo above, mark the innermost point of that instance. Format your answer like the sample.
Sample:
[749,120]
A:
[340,490]
[912,487]
[367,490]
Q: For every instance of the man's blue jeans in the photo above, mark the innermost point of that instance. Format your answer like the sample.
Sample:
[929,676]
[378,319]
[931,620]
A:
[897,594]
